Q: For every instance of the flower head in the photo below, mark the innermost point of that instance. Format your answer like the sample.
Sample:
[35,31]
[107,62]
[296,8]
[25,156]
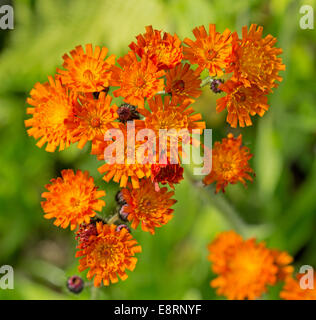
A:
[52,106]
[293,291]
[166,173]
[108,254]
[165,52]
[125,165]
[87,71]
[229,163]
[244,268]
[72,199]
[85,231]
[166,114]
[137,79]
[178,121]
[210,51]
[147,206]
[241,103]
[93,117]
[254,60]
[183,83]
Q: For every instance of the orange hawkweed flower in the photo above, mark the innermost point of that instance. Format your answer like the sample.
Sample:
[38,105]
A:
[93,117]
[72,199]
[229,163]
[183,83]
[166,173]
[108,254]
[166,115]
[87,71]
[244,268]
[126,166]
[210,51]
[147,206]
[241,103]
[52,108]
[293,291]
[165,52]
[254,60]
[137,79]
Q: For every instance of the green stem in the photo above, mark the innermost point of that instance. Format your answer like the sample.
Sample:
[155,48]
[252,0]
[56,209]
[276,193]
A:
[228,212]
[94,293]
[206,81]
[113,219]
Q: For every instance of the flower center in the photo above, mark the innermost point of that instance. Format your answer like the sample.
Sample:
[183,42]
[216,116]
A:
[241,97]
[211,54]
[88,75]
[95,122]
[178,85]
[74,202]
[140,82]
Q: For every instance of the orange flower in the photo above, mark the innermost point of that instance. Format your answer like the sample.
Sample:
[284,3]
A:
[229,163]
[166,115]
[254,60]
[293,291]
[123,169]
[166,173]
[87,71]
[108,254]
[244,268]
[52,108]
[72,199]
[147,206]
[210,51]
[137,79]
[165,52]
[282,260]
[241,103]
[183,83]
[93,117]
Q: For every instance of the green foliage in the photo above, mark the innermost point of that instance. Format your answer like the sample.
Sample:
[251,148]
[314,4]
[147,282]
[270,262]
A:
[279,206]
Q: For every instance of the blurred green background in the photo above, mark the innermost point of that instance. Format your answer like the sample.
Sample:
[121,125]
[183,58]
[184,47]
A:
[279,207]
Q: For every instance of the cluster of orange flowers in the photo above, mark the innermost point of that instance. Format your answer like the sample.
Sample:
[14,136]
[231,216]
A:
[246,268]
[158,86]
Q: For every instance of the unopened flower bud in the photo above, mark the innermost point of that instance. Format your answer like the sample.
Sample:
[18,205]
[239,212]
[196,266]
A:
[127,112]
[215,85]
[75,284]
[121,226]
[119,198]
[123,214]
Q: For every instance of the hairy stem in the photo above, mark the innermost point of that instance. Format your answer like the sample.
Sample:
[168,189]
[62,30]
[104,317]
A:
[94,293]
[113,219]
[218,200]
[206,81]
